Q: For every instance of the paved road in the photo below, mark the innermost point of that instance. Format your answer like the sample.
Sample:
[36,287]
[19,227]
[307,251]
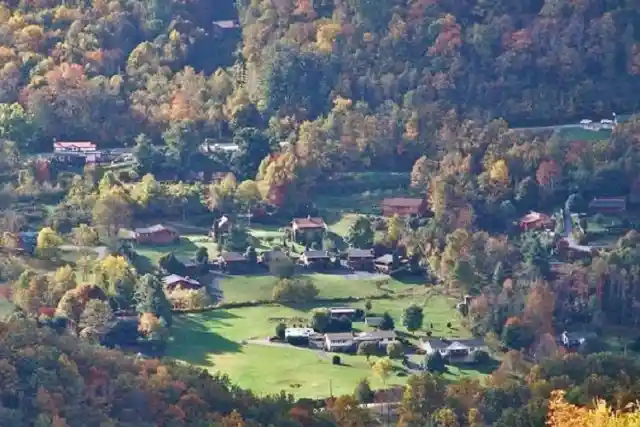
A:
[101,251]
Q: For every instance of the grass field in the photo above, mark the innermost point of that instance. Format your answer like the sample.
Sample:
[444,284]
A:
[184,249]
[250,288]
[581,134]
[216,340]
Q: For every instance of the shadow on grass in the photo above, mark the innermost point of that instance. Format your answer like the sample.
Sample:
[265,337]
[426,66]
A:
[194,342]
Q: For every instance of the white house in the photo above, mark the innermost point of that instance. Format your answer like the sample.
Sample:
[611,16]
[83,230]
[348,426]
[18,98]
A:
[456,350]
[382,338]
[342,341]
[298,332]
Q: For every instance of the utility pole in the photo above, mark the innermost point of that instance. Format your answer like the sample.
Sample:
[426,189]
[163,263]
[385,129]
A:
[330,388]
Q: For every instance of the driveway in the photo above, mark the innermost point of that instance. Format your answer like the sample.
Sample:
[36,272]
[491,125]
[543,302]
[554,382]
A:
[265,342]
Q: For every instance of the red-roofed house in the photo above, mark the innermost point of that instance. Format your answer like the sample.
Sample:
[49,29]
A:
[535,220]
[404,206]
[156,234]
[608,204]
[79,146]
[309,229]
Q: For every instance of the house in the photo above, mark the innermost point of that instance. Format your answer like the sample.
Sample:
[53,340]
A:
[573,340]
[308,230]
[608,204]
[342,341]
[382,338]
[384,264]
[300,336]
[233,262]
[454,351]
[156,234]
[74,147]
[535,221]
[373,321]
[174,281]
[315,259]
[404,206]
[220,227]
[360,259]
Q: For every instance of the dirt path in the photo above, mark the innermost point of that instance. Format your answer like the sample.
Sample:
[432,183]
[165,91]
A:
[265,342]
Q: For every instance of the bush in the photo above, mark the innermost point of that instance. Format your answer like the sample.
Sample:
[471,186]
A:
[280,330]
[387,323]
[335,360]
[283,268]
[367,348]
[294,291]
[482,357]
[435,363]
[363,392]
[395,350]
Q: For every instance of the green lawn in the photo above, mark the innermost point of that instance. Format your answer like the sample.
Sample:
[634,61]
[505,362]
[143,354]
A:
[250,288]
[575,134]
[184,249]
[216,340]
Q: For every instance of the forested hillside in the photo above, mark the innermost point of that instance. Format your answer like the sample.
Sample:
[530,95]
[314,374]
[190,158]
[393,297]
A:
[527,61]
[108,71]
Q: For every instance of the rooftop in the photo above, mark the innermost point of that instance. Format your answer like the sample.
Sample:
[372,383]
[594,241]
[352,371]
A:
[174,278]
[342,310]
[299,332]
[339,336]
[385,259]
[376,335]
[315,254]
[403,202]
[533,217]
[359,253]
[232,257]
[154,229]
[374,321]
[308,222]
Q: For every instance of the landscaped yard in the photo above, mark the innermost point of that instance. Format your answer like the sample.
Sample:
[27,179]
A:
[217,340]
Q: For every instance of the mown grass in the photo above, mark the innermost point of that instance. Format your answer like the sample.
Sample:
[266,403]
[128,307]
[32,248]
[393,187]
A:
[219,341]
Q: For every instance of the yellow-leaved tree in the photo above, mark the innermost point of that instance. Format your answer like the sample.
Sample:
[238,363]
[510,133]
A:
[563,414]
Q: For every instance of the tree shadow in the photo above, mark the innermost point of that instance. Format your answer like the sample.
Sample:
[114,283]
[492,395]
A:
[194,342]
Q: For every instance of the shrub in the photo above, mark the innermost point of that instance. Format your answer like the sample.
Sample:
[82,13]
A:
[280,329]
[387,323]
[435,363]
[294,291]
[363,392]
[367,348]
[335,360]
[482,357]
[395,350]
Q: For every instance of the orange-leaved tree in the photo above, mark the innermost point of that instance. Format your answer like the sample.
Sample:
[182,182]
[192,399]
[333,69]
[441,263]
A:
[563,414]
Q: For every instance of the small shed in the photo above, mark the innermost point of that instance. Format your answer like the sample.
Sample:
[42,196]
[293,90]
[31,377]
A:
[360,259]
[384,264]
[315,259]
